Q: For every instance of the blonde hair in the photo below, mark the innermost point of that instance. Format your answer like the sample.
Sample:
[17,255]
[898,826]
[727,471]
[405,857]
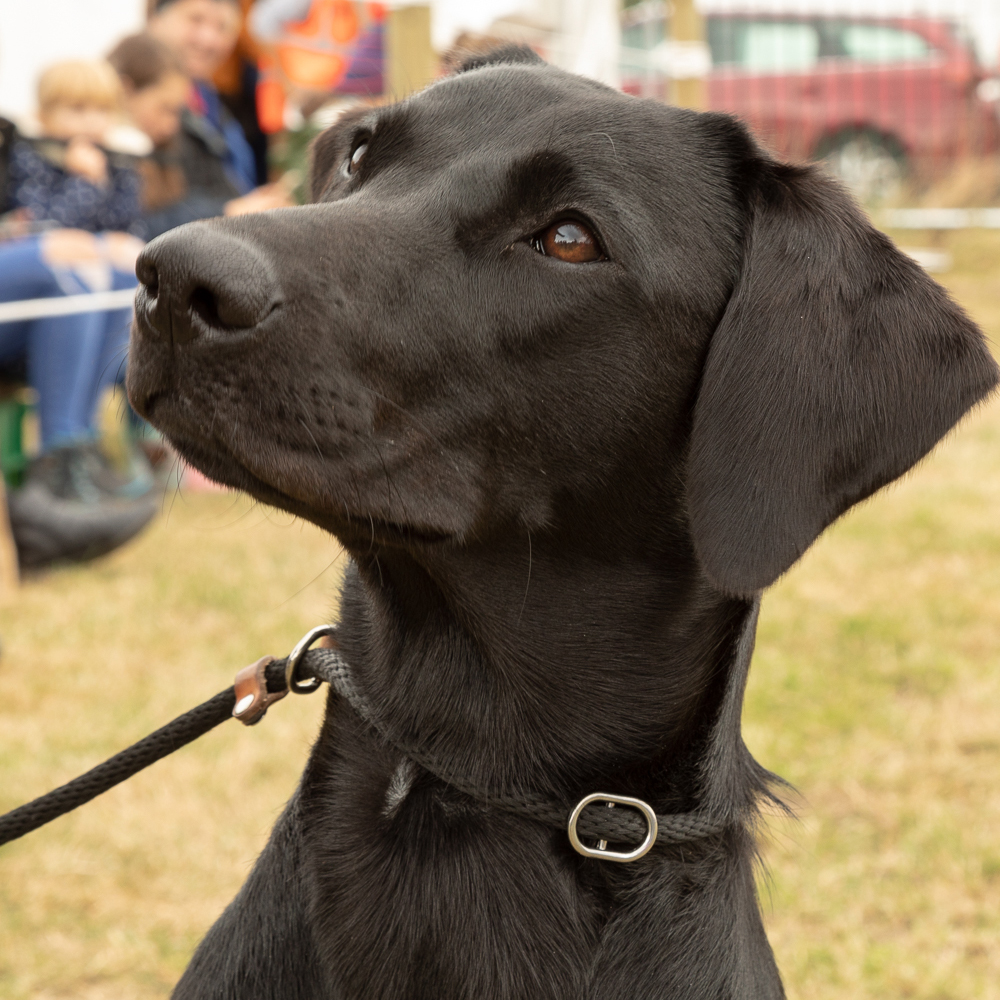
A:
[79,81]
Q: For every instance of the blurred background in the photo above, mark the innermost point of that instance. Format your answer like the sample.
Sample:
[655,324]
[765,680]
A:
[132,587]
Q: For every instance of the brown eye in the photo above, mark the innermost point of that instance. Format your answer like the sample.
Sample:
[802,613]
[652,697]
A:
[356,157]
[569,241]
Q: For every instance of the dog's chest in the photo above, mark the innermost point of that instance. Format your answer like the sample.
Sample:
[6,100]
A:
[416,893]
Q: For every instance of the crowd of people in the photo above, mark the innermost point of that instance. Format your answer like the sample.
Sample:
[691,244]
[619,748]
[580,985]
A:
[76,212]
[199,90]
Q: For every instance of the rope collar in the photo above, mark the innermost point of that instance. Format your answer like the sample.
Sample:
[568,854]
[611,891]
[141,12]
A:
[624,821]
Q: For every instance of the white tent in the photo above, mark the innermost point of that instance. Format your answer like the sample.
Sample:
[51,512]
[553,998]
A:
[35,33]
[581,36]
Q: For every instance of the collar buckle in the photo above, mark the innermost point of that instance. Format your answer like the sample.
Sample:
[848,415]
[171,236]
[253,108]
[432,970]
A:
[600,852]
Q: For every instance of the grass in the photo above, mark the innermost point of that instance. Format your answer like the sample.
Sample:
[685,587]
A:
[875,690]
[111,900]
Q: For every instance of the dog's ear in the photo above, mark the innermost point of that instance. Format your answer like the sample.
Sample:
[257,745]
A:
[322,160]
[836,366]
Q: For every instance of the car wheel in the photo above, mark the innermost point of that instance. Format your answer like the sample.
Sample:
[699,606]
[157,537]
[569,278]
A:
[872,166]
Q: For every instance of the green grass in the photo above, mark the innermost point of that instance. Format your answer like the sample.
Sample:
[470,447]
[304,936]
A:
[875,690]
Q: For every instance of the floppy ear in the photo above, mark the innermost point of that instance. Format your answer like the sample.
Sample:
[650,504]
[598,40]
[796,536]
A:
[837,365]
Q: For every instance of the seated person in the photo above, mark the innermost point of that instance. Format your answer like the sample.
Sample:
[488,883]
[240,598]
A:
[73,504]
[211,149]
[181,180]
[64,176]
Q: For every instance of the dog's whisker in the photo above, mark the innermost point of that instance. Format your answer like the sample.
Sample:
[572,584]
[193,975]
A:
[306,586]
[319,451]
[527,583]
[612,141]
[388,483]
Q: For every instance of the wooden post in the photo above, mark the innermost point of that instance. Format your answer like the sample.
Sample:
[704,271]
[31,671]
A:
[687,28]
[410,60]
[8,553]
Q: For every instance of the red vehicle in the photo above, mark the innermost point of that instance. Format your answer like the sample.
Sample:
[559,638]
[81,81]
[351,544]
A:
[875,97]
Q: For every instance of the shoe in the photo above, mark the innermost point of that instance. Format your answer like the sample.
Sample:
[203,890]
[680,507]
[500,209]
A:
[136,481]
[68,473]
[81,471]
[61,514]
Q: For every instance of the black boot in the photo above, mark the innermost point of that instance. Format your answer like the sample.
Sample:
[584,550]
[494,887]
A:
[65,511]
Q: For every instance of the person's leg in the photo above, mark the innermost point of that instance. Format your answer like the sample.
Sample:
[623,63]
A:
[20,278]
[62,351]
[63,510]
[136,478]
[115,327]
[13,345]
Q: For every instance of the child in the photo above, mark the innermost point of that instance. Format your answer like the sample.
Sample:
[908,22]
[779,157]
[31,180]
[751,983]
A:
[156,90]
[65,176]
[186,177]
[73,505]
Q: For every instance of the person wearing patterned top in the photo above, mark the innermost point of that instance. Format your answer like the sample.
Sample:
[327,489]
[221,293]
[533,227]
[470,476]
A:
[83,203]
[41,184]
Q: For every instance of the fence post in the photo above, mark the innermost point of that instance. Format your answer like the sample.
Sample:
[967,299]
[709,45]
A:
[8,553]
[410,60]
[687,31]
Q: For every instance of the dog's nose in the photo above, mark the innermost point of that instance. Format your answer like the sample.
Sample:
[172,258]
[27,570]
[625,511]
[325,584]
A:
[201,282]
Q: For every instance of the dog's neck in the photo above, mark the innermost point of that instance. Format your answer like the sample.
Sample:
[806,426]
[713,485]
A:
[559,668]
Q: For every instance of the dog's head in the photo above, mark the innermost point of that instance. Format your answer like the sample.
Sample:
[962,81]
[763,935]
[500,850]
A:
[521,301]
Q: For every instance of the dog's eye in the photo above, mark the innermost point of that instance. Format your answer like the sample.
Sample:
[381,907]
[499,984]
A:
[569,241]
[356,157]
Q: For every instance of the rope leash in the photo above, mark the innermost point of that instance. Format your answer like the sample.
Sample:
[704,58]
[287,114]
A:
[268,680]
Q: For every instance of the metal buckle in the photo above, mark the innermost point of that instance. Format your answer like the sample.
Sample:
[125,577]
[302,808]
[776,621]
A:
[295,658]
[599,851]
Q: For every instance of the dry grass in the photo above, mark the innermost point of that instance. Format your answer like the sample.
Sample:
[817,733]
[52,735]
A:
[110,901]
[875,689]
[971,183]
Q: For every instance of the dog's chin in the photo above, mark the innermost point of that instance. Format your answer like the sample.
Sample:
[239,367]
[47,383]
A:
[356,530]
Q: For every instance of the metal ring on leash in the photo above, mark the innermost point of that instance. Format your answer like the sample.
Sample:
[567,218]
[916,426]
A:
[295,658]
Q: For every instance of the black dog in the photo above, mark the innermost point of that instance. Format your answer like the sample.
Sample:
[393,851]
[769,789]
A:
[572,376]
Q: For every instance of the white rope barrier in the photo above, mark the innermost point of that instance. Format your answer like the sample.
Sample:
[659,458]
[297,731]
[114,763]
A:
[942,218]
[65,305]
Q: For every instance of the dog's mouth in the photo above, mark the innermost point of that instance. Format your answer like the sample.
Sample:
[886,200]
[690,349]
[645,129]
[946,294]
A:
[218,461]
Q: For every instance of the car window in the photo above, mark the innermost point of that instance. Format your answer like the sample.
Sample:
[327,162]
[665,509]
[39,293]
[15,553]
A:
[764,46]
[643,35]
[779,48]
[880,43]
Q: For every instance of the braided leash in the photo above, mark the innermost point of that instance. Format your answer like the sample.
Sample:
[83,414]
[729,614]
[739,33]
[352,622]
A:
[303,671]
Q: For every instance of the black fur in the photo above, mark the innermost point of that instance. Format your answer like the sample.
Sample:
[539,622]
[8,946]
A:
[562,487]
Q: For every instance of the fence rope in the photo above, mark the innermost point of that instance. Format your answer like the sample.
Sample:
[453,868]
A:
[65,305]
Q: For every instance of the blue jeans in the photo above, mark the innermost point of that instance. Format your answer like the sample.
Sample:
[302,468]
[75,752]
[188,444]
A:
[70,360]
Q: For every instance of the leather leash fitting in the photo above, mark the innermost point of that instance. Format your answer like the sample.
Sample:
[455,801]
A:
[304,670]
[250,692]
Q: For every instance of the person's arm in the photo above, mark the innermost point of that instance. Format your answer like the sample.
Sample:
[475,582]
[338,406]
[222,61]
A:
[86,160]
[49,194]
[31,182]
[190,209]
[201,206]
[8,136]
[123,212]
